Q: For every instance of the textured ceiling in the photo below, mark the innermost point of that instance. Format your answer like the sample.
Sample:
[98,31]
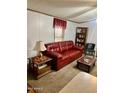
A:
[74,10]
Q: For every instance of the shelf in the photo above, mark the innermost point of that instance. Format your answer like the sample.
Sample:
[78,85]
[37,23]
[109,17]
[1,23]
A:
[42,66]
[80,42]
[44,61]
[81,33]
[41,71]
[43,74]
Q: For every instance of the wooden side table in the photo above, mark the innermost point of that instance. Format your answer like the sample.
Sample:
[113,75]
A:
[86,63]
[40,66]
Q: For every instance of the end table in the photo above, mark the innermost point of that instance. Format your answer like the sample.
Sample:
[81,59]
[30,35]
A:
[40,66]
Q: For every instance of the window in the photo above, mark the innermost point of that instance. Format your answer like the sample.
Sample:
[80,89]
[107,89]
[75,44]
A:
[59,28]
[59,34]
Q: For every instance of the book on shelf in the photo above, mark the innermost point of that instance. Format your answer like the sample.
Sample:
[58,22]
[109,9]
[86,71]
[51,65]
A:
[42,66]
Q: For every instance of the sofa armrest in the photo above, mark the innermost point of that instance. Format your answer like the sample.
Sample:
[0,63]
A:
[79,48]
[53,54]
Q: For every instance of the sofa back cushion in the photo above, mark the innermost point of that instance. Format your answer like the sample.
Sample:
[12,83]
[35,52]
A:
[59,46]
[53,47]
[70,44]
[66,45]
[63,46]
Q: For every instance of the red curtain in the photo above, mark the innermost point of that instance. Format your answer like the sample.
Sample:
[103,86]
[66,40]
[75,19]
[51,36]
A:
[59,23]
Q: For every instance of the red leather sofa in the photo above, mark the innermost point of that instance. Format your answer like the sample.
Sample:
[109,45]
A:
[62,53]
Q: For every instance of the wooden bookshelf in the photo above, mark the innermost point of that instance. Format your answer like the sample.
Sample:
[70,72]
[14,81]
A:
[80,39]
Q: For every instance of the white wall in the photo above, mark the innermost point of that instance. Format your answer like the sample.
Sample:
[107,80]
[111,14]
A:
[92,31]
[70,31]
[40,28]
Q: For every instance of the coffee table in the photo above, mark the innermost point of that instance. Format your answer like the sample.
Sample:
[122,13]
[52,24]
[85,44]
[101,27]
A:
[86,63]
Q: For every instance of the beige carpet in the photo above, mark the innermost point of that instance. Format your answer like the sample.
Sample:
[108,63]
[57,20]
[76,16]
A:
[56,80]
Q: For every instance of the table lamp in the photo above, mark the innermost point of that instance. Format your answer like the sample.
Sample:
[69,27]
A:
[42,48]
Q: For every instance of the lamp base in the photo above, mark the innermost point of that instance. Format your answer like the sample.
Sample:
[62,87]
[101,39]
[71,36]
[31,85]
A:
[41,56]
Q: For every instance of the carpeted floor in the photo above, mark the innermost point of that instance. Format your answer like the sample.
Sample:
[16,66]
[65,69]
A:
[56,80]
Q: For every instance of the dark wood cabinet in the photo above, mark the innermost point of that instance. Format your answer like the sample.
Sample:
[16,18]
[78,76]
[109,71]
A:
[80,39]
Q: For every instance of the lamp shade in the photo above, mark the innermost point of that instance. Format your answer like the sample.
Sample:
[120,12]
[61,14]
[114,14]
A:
[42,46]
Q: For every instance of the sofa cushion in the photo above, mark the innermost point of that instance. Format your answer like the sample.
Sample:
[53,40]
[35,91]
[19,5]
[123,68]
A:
[69,44]
[63,46]
[65,55]
[54,54]
[74,53]
[70,53]
[53,47]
